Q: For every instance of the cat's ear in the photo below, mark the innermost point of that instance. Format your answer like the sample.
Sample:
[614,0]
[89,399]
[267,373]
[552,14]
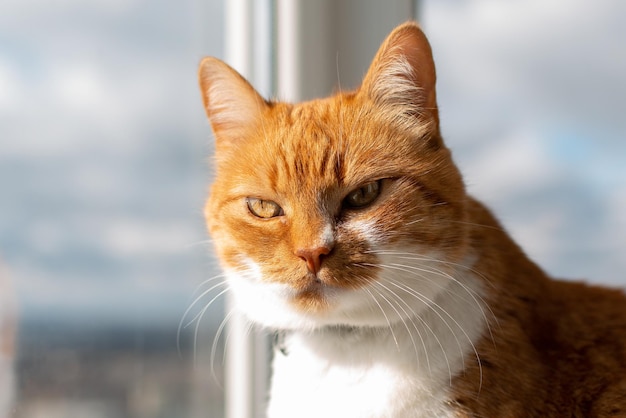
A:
[230,102]
[402,74]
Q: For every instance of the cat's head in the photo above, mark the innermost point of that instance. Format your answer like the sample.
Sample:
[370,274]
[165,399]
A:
[341,211]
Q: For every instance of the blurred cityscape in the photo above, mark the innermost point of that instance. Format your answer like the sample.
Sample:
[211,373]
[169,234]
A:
[89,371]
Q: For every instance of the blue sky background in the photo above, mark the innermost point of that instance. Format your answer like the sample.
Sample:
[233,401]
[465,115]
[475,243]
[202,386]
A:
[104,145]
[533,97]
[103,155]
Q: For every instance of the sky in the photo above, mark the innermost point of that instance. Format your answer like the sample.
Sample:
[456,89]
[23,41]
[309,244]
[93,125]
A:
[104,145]
[104,155]
[532,96]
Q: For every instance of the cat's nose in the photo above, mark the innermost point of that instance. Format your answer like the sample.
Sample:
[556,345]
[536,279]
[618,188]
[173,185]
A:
[313,257]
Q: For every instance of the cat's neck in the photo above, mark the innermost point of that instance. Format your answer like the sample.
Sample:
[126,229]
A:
[439,341]
[405,369]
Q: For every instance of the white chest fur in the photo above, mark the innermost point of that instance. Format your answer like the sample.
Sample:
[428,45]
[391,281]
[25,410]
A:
[400,371]
[355,382]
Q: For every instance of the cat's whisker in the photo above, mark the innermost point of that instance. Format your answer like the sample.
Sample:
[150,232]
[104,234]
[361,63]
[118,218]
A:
[198,320]
[429,279]
[494,227]
[477,298]
[199,243]
[393,335]
[196,333]
[191,306]
[393,307]
[425,323]
[413,257]
[433,205]
[337,72]
[215,343]
[411,317]
[426,301]
[197,300]
[206,282]
[432,304]
[451,263]
[198,316]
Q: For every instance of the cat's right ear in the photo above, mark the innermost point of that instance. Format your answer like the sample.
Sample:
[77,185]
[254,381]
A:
[230,102]
[402,75]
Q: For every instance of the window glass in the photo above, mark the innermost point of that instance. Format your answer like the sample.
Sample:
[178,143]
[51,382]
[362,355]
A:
[532,98]
[103,173]
[104,168]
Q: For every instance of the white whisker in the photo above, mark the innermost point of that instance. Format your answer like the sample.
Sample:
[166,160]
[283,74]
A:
[206,292]
[411,319]
[385,315]
[198,319]
[192,304]
[475,296]
[432,305]
[216,339]
[199,243]
[497,228]
[436,309]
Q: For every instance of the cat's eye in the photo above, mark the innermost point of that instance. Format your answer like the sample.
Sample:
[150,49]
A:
[363,196]
[264,208]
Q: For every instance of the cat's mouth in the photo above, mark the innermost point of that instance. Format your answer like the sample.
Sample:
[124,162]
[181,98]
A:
[312,298]
[320,293]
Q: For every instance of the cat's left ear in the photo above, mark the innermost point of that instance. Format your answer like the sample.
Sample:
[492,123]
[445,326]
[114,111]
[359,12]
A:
[230,102]
[402,75]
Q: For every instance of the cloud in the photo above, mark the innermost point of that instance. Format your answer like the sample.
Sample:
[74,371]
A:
[78,73]
[561,57]
[532,96]
[103,151]
[9,82]
[500,173]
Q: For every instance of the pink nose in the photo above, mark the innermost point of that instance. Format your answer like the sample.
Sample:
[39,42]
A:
[313,257]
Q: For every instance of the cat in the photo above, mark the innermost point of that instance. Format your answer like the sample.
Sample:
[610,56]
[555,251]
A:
[344,225]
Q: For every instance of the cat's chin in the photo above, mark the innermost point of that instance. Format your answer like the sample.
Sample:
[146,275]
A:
[398,293]
[278,306]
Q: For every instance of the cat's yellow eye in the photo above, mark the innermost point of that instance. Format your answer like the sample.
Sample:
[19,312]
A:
[264,208]
[363,196]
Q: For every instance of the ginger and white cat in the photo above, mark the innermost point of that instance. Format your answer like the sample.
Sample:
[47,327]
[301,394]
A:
[344,225]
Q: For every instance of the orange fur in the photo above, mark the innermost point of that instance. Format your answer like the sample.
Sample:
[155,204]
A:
[554,348]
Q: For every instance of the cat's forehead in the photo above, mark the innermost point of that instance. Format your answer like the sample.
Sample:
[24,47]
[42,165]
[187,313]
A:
[309,149]
[322,144]
[297,125]
[318,148]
